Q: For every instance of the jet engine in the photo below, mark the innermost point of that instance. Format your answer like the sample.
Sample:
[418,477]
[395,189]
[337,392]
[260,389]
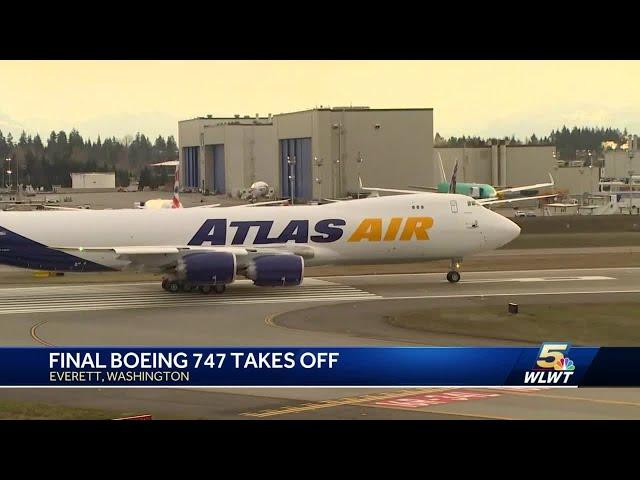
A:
[276,270]
[207,268]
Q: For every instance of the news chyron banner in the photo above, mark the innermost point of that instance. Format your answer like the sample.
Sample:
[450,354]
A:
[552,364]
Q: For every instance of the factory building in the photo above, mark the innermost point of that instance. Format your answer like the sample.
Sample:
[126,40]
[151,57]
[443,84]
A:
[318,153]
[94,181]
[498,164]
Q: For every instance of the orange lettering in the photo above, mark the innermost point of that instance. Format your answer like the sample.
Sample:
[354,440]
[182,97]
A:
[417,226]
[369,229]
[392,231]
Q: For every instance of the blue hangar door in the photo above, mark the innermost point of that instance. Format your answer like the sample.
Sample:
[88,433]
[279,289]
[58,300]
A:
[218,169]
[190,156]
[295,161]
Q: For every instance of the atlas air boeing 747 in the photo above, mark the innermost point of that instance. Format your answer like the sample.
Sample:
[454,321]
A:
[208,248]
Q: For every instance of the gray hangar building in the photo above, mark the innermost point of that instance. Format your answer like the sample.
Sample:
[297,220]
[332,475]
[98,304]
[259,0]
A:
[318,153]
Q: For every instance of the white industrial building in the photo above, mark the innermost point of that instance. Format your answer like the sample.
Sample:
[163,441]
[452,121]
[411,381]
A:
[618,163]
[104,181]
[316,153]
[320,153]
[499,164]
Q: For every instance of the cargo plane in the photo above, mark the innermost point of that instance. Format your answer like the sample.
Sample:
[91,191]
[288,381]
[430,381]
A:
[206,249]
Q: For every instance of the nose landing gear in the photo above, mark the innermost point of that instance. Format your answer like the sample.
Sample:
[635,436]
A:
[454,275]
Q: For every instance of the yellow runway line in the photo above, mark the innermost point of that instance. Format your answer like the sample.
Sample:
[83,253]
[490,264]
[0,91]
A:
[310,406]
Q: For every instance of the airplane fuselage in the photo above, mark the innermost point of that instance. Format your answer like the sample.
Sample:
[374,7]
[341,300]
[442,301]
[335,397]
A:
[394,229]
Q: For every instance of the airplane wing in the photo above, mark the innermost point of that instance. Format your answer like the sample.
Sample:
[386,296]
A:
[389,190]
[430,189]
[213,205]
[527,187]
[165,258]
[260,204]
[495,201]
[55,207]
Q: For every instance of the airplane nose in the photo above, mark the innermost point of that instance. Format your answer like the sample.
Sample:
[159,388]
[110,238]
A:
[503,231]
[509,230]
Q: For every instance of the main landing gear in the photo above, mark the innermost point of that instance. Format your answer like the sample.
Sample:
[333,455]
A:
[454,275]
[175,286]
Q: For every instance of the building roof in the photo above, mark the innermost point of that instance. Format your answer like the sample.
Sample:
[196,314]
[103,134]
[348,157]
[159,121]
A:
[354,109]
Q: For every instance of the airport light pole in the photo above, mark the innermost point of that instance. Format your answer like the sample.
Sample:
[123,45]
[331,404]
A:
[631,152]
[359,160]
[318,163]
[4,181]
[292,163]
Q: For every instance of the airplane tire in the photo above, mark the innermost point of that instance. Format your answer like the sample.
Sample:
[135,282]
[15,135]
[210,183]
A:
[164,284]
[453,276]
[205,289]
[219,288]
[173,287]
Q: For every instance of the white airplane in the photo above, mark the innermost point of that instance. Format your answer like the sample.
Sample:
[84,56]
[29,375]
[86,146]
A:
[156,203]
[208,249]
[257,191]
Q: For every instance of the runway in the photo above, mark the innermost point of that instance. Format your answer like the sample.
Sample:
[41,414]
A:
[330,311]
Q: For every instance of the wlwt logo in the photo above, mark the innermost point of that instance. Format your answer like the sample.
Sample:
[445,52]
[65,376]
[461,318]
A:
[553,366]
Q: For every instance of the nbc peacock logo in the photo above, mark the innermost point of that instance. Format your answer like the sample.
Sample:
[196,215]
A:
[552,366]
[564,364]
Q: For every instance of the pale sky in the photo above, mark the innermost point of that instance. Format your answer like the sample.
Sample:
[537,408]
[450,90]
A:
[486,98]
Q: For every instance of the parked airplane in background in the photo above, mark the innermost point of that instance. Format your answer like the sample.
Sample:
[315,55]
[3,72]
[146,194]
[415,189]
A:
[485,192]
[156,203]
[257,191]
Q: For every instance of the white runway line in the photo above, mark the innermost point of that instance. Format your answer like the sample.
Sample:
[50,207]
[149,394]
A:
[538,279]
[46,301]
[512,294]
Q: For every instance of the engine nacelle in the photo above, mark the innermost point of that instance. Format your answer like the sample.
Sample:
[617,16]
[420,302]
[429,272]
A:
[276,270]
[207,268]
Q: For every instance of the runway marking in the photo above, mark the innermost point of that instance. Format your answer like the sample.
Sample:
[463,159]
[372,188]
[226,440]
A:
[537,279]
[34,334]
[420,400]
[580,399]
[71,301]
[447,412]
[512,294]
[483,272]
[311,406]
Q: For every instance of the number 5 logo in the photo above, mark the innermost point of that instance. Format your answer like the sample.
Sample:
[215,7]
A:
[551,350]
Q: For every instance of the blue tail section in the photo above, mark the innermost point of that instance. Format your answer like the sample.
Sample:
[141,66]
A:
[19,251]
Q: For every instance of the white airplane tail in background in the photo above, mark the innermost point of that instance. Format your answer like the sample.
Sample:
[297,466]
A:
[176,190]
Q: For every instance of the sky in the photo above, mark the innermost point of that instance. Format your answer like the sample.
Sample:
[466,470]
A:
[485,98]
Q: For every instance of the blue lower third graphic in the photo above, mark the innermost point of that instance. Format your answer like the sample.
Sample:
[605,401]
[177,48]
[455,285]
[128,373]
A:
[317,366]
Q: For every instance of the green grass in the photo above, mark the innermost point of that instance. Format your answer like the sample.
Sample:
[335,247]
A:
[12,410]
[613,324]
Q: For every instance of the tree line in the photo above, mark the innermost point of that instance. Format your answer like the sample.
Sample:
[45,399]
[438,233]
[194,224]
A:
[48,163]
[569,142]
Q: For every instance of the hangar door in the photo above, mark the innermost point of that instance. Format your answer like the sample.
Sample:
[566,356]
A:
[296,168]
[218,169]
[190,156]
